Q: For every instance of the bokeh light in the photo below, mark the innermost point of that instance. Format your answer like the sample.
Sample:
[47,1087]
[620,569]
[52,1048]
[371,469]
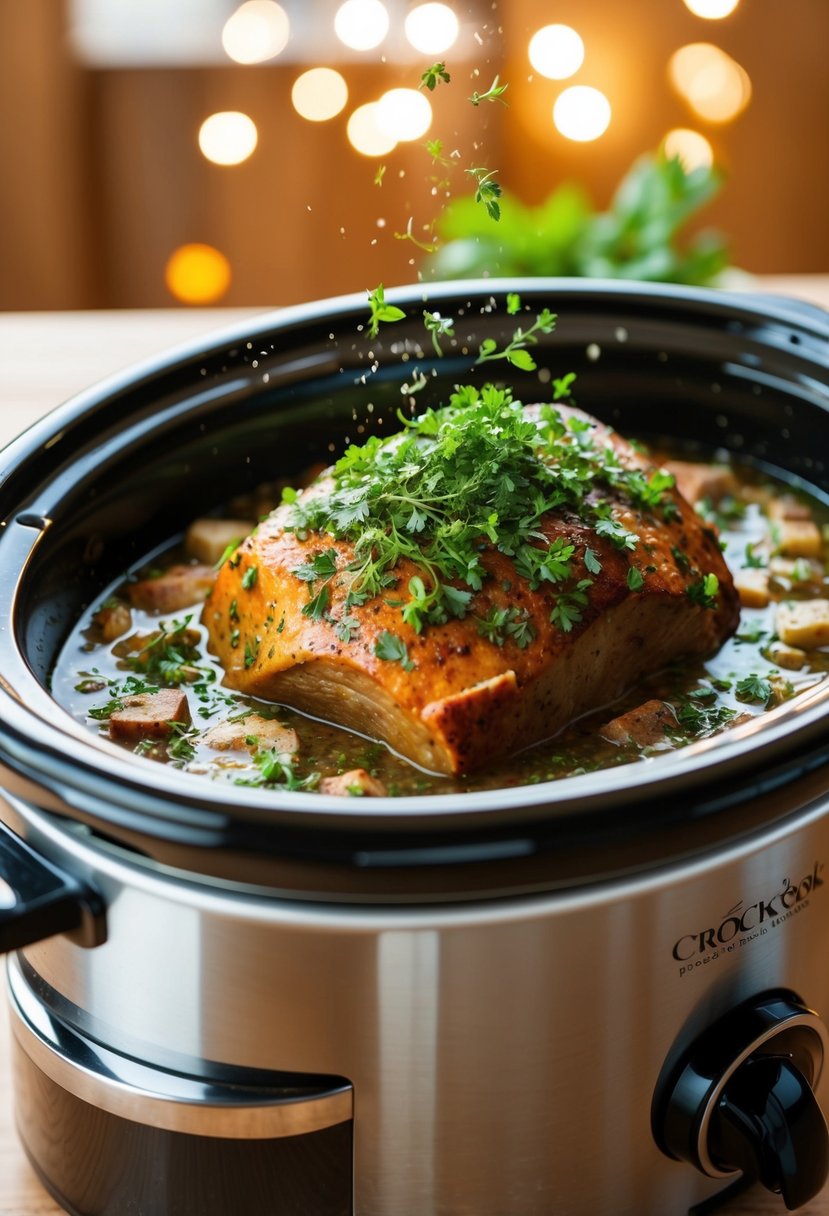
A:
[710,81]
[404,114]
[258,30]
[197,274]
[361,24]
[319,94]
[692,148]
[228,137]
[582,113]
[556,51]
[432,28]
[712,10]
[364,133]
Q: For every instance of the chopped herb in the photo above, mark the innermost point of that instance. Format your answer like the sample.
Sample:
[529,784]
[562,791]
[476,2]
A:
[635,579]
[249,578]
[495,92]
[433,75]
[435,149]
[228,552]
[507,624]
[513,303]
[439,327]
[408,235]
[322,565]
[698,720]
[392,649]
[487,191]
[515,351]
[704,591]
[235,634]
[317,606]
[251,651]
[380,311]
[754,688]
[591,562]
[753,559]
[379,175]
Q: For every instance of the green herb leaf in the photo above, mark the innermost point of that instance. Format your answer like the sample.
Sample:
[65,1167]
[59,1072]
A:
[392,649]
[495,92]
[433,75]
[380,311]
[754,688]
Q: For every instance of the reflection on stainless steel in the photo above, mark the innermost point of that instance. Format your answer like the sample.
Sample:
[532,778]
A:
[503,1054]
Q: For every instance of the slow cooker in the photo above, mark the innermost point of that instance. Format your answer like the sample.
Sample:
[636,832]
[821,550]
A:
[601,996]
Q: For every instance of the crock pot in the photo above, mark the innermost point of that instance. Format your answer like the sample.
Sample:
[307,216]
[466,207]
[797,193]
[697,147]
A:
[601,996]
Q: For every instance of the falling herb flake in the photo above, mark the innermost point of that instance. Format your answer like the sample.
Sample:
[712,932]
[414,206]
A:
[487,191]
[433,75]
[379,175]
[380,311]
[438,327]
[495,92]
[409,235]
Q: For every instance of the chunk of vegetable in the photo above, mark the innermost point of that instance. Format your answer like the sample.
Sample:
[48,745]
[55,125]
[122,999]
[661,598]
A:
[804,623]
[799,538]
[752,587]
[207,540]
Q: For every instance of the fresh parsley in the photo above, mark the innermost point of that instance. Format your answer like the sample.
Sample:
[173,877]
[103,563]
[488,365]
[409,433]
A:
[380,311]
[392,649]
[433,75]
[487,191]
[495,92]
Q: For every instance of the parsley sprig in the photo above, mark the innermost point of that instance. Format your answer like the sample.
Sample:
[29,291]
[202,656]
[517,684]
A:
[515,351]
[379,310]
[487,191]
[495,92]
[433,75]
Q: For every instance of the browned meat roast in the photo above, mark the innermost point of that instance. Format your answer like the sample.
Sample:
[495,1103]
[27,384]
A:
[552,567]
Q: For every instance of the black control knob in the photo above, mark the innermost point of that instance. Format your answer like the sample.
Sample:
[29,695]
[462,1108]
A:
[741,1098]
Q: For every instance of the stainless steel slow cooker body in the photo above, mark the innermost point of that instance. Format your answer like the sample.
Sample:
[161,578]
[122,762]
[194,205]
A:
[498,997]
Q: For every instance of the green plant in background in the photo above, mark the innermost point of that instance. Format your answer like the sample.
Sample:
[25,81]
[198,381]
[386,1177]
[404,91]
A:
[637,238]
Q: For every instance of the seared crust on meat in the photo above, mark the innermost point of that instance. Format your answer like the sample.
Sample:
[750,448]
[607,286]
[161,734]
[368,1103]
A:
[467,700]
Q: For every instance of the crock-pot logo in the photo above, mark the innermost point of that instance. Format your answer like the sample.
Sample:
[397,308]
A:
[742,925]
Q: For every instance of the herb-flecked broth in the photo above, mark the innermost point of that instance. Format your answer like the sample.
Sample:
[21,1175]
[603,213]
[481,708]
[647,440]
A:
[752,672]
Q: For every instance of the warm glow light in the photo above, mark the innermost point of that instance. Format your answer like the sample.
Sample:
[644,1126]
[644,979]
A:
[556,51]
[258,30]
[319,94]
[693,149]
[361,24]
[582,113]
[713,10]
[197,274]
[364,132]
[227,138]
[432,28]
[711,82]
[404,114]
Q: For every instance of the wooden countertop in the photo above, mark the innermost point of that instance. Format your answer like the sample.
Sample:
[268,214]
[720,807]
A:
[46,358]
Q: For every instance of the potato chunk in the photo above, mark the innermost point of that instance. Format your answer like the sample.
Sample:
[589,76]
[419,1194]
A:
[207,539]
[799,538]
[356,783]
[804,623]
[149,715]
[790,657]
[752,587]
[267,732]
[645,726]
[179,587]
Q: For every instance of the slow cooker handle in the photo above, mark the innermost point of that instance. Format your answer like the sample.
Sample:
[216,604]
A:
[45,901]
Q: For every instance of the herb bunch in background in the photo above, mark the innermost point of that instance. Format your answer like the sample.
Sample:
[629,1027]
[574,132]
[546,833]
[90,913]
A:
[637,238]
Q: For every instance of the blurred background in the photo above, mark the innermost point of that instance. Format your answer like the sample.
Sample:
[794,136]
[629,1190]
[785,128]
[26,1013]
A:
[157,152]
